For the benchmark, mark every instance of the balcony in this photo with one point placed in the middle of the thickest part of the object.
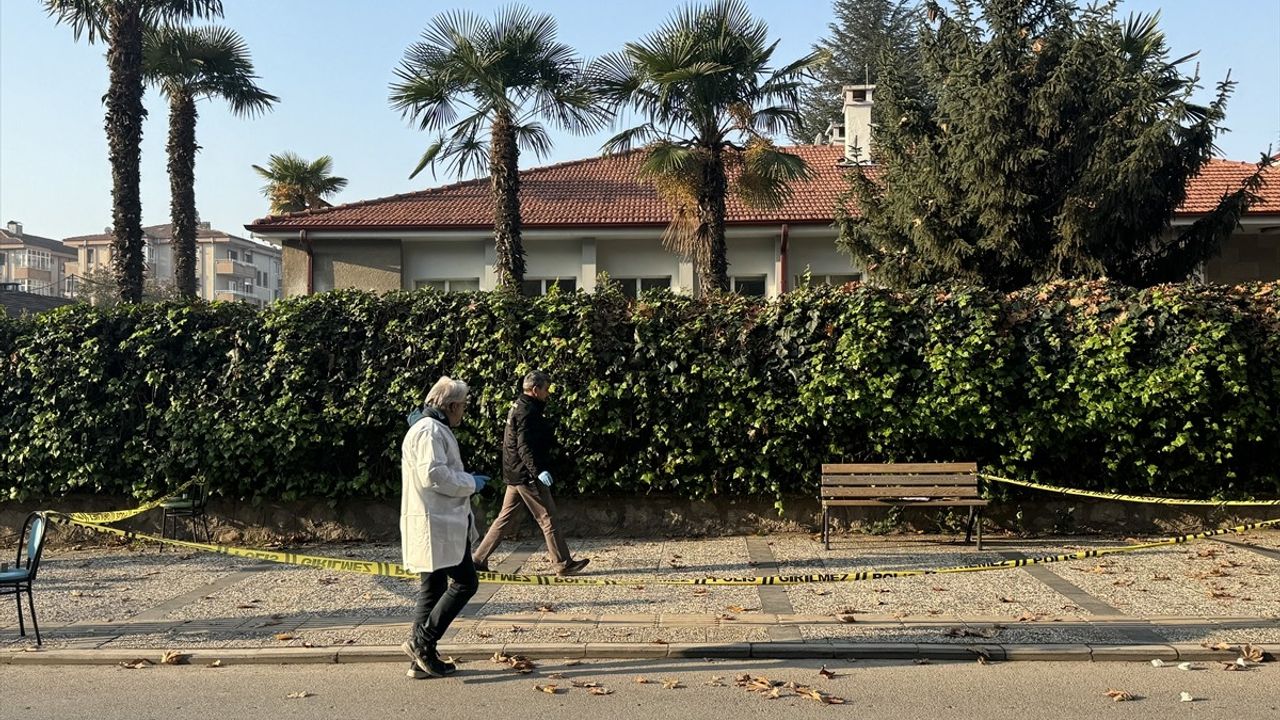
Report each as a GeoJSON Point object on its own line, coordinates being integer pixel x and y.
{"type": "Point", "coordinates": [31, 273]}
{"type": "Point", "coordinates": [234, 268]}
{"type": "Point", "coordinates": [235, 295]}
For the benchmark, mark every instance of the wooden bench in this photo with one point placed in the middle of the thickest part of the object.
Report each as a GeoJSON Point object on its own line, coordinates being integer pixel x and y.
{"type": "Point", "coordinates": [902, 485]}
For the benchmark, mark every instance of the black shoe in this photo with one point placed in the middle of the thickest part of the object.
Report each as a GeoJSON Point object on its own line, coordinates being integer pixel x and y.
{"type": "Point", "coordinates": [573, 567]}
{"type": "Point", "coordinates": [427, 661]}
{"type": "Point", "coordinates": [481, 567]}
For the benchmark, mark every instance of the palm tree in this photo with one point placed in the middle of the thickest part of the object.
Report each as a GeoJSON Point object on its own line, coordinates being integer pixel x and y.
{"type": "Point", "coordinates": [295, 184]}
{"type": "Point", "coordinates": [188, 64]}
{"type": "Point", "coordinates": [121, 25]}
{"type": "Point", "coordinates": [710, 100]}
{"type": "Point", "coordinates": [503, 75]}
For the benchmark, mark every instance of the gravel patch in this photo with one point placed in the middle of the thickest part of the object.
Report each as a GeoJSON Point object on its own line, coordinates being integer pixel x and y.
{"type": "Point", "coordinates": [628, 559]}
{"type": "Point", "coordinates": [1209, 579]}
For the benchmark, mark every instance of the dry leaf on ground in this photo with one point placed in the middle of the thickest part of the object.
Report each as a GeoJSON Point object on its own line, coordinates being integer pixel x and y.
{"type": "Point", "coordinates": [548, 689]}
{"type": "Point", "coordinates": [283, 637]}
{"type": "Point", "coordinates": [672, 684]}
{"type": "Point", "coordinates": [1186, 697]}
{"type": "Point", "coordinates": [715, 681]}
{"type": "Point", "coordinates": [599, 690]}
{"type": "Point", "coordinates": [642, 680]}
{"type": "Point", "coordinates": [1120, 695]}
{"type": "Point", "coordinates": [824, 672]}
{"type": "Point", "coordinates": [136, 663]}
{"type": "Point", "coordinates": [173, 657]}
{"type": "Point", "coordinates": [548, 608]}
{"type": "Point", "coordinates": [571, 663]}
{"type": "Point", "coordinates": [846, 618]}
{"type": "Point", "coordinates": [299, 694]}
{"type": "Point", "coordinates": [215, 664]}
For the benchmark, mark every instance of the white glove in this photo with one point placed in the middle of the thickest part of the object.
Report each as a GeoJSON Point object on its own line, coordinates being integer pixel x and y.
{"type": "Point", "coordinates": [545, 478]}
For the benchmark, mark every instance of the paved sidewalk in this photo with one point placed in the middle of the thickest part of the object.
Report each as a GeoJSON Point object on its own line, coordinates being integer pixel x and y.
{"type": "Point", "coordinates": [1178, 598]}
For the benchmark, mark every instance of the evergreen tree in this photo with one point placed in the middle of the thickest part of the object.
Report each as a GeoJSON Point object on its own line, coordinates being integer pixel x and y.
{"type": "Point", "coordinates": [1045, 141]}
{"type": "Point", "coordinates": [865, 35]}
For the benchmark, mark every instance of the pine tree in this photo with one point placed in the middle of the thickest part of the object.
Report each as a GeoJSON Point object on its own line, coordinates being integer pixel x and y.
{"type": "Point", "coordinates": [1044, 141]}
{"type": "Point", "coordinates": [865, 35]}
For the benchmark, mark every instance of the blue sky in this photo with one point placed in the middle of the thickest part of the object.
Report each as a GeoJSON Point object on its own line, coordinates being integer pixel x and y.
{"type": "Point", "coordinates": [330, 61]}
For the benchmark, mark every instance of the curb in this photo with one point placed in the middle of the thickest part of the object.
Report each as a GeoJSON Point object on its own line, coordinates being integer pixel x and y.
{"type": "Point", "coordinates": [647, 651]}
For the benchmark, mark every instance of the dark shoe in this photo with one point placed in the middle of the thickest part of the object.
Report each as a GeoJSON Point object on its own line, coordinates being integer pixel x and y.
{"type": "Point", "coordinates": [427, 661]}
{"type": "Point", "coordinates": [573, 567]}
{"type": "Point", "coordinates": [481, 567]}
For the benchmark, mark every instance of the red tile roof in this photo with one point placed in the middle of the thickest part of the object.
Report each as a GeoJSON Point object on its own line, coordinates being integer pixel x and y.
{"type": "Point", "coordinates": [604, 191]}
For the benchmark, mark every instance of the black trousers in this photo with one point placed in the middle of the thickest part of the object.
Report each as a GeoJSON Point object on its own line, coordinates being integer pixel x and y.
{"type": "Point", "coordinates": [440, 601]}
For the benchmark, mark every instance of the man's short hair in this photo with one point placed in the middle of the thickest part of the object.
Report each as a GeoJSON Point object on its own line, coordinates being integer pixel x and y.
{"type": "Point", "coordinates": [446, 391]}
{"type": "Point", "coordinates": [535, 379]}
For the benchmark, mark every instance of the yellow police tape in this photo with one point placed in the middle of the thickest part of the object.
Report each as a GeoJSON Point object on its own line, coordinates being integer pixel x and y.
{"type": "Point", "coordinates": [1129, 498]}
{"type": "Point", "coordinates": [369, 567]}
{"type": "Point", "coordinates": [118, 515]}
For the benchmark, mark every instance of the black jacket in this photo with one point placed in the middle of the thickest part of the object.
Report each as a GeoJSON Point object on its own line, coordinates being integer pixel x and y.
{"type": "Point", "coordinates": [526, 442]}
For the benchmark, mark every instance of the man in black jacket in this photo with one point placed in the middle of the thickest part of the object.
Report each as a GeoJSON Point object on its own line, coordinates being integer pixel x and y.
{"type": "Point", "coordinates": [526, 470]}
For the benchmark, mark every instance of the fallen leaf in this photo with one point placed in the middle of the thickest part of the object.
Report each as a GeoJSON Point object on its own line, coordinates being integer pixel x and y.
{"type": "Point", "coordinates": [817, 591]}
{"type": "Point", "coordinates": [548, 689]}
{"type": "Point", "coordinates": [557, 676]}
{"type": "Point", "coordinates": [1217, 646]}
{"type": "Point", "coordinates": [215, 664]}
{"type": "Point", "coordinates": [1159, 576]}
{"type": "Point", "coordinates": [1253, 654]}
{"type": "Point", "coordinates": [173, 657]}
{"type": "Point", "coordinates": [517, 629]}
{"type": "Point", "coordinates": [283, 637]}
{"type": "Point", "coordinates": [717, 681]}
{"type": "Point", "coordinates": [548, 608]}
{"type": "Point", "coordinates": [1027, 617]}
{"type": "Point", "coordinates": [299, 694]}
{"type": "Point", "coordinates": [774, 694]}
{"type": "Point", "coordinates": [824, 672]}
{"type": "Point", "coordinates": [1189, 666]}
{"type": "Point", "coordinates": [1120, 695]}
{"type": "Point", "coordinates": [1157, 663]}
{"type": "Point", "coordinates": [136, 663]}
{"type": "Point", "coordinates": [600, 691]}
{"type": "Point", "coordinates": [483, 635]}
{"type": "Point", "coordinates": [562, 633]}
{"type": "Point", "coordinates": [579, 683]}
{"type": "Point", "coordinates": [921, 661]}
{"type": "Point", "coordinates": [1186, 697]}
{"type": "Point", "coordinates": [672, 684]}
{"type": "Point", "coordinates": [571, 663]}
{"type": "Point", "coordinates": [642, 680]}
{"type": "Point", "coordinates": [700, 591]}
{"type": "Point", "coordinates": [1007, 600]}
{"type": "Point", "coordinates": [846, 618]}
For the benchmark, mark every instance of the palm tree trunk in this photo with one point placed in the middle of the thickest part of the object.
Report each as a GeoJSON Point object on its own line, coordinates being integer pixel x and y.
{"type": "Point", "coordinates": [504, 179]}
{"type": "Point", "coordinates": [182, 191]}
{"type": "Point", "coordinates": [125, 114]}
{"type": "Point", "coordinates": [711, 212]}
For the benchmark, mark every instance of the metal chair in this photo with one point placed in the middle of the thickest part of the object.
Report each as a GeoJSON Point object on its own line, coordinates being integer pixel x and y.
{"type": "Point", "coordinates": [190, 505]}
{"type": "Point", "coordinates": [23, 575]}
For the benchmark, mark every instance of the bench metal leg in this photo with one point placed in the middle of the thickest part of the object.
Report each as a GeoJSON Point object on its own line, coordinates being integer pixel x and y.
{"type": "Point", "coordinates": [826, 528]}
{"type": "Point", "coordinates": [968, 532]}
{"type": "Point", "coordinates": [979, 518]}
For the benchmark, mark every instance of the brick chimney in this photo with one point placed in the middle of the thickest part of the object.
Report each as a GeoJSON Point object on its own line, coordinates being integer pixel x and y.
{"type": "Point", "coordinates": [857, 123]}
{"type": "Point", "coordinates": [15, 227]}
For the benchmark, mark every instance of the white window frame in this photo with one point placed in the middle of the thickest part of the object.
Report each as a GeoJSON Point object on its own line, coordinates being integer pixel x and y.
{"type": "Point", "coordinates": [760, 277]}
{"type": "Point", "coordinates": [545, 283]}
{"type": "Point", "coordinates": [636, 283]}
{"type": "Point", "coordinates": [420, 284]}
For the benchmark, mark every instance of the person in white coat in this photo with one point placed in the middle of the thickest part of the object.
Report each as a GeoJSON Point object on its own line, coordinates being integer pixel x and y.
{"type": "Point", "coordinates": [436, 526]}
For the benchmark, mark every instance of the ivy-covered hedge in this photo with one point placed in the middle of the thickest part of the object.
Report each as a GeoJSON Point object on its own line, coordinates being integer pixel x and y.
{"type": "Point", "coordinates": [1173, 390]}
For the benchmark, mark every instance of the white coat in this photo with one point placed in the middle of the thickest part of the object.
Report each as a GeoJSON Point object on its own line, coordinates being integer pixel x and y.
{"type": "Point", "coordinates": [435, 499]}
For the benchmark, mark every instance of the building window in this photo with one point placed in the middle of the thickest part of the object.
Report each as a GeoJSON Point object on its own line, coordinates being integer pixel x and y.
{"type": "Point", "coordinates": [449, 285]}
{"type": "Point", "coordinates": [4, 259]}
{"type": "Point", "coordinates": [834, 280]}
{"type": "Point", "coordinates": [232, 254]}
{"type": "Point", "coordinates": [632, 287]}
{"type": "Point", "coordinates": [88, 258]}
{"type": "Point", "coordinates": [747, 285]}
{"type": "Point", "coordinates": [36, 259]}
{"type": "Point", "coordinates": [69, 287]}
{"type": "Point", "coordinates": [540, 286]}
{"type": "Point", "coordinates": [248, 256]}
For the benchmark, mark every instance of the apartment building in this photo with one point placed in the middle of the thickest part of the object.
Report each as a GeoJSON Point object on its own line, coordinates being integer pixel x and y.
{"type": "Point", "coordinates": [33, 264]}
{"type": "Point", "coordinates": [228, 267]}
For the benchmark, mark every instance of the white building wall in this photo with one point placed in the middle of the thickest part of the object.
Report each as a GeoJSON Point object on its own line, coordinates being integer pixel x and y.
{"type": "Point", "coordinates": [753, 256]}
{"type": "Point", "coordinates": [443, 260]}
{"type": "Point", "coordinates": [640, 257]}
{"type": "Point", "coordinates": [553, 258]}
{"type": "Point", "coordinates": [818, 256]}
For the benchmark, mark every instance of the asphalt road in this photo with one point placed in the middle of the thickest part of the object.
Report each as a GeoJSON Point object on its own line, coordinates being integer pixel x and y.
{"type": "Point", "coordinates": [1022, 690]}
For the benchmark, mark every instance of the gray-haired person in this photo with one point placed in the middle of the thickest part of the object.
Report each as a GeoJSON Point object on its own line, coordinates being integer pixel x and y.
{"type": "Point", "coordinates": [526, 470]}
{"type": "Point", "coordinates": [436, 527]}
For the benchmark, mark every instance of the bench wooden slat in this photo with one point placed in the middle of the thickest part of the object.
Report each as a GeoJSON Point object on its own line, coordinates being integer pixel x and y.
{"type": "Point", "coordinates": [890, 502]}
{"type": "Point", "coordinates": [857, 480]}
{"type": "Point", "coordinates": [872, 492]}
{"type": "Point", "coordinates": [897, 469]}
